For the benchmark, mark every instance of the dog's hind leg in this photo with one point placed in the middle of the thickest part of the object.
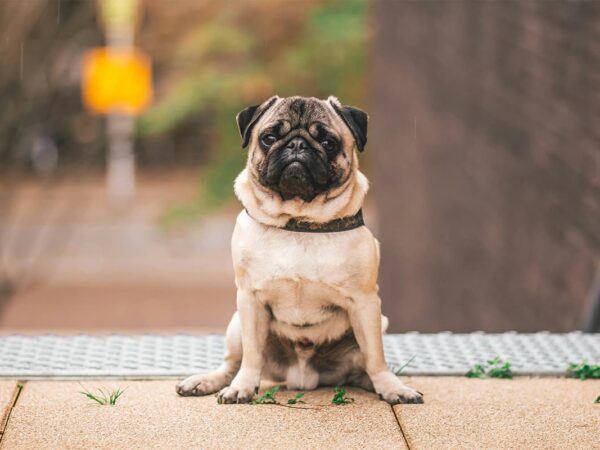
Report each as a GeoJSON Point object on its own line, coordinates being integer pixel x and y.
{"type": "Point", "coordinates": [209, 383]}
{"type": "Point", "coordinates": [360, 379]}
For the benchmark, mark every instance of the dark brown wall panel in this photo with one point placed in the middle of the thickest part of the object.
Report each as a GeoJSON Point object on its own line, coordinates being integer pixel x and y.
{"type": "Point", "coordinates": [486, 146]}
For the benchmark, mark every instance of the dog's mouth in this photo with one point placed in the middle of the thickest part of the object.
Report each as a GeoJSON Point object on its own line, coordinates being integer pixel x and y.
{"type": "Point", "coordinates": [296, 181]}
{"type": "Point", "coordinates": [295, 173]}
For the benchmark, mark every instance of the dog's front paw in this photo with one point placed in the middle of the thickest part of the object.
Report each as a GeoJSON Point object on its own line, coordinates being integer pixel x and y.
{"type": "Point", "coordinates": [232, 394]}
{"type": "Point", "coordinates": [403, 394]}
{"type": "Point", "coordinates": [188, 387]}
{"type": "Point", "coordinates": [205, 384]}
{"type": "Point", "coordinates": [393, 391]}
{"type": "Point", "coordinates": [242, 388]}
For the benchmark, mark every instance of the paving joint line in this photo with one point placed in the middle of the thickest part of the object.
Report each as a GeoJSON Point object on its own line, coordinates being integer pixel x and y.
{"type": "Point", "coordinates": [15, 398]}
{"type": "Point", "coordinates": [404, 438]}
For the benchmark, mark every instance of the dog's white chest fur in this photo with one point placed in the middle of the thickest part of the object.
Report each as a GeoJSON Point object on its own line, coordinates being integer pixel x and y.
{"type": "Point", "coordinates": [304, 279]}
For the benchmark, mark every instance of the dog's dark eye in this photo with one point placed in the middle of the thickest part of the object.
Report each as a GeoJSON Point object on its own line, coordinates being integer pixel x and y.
{"type": "Point", "coordinates": [268, 140]}
{"type": "Point", "coordinates": [329, 145]}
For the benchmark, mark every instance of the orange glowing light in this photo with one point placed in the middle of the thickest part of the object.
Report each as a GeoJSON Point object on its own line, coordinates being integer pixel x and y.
{"type": "Point", "coordinates": [116, 81]}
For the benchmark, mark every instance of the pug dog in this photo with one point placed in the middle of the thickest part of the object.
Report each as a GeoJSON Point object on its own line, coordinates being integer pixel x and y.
{"type": "Point", "coordinates": [308, 311]}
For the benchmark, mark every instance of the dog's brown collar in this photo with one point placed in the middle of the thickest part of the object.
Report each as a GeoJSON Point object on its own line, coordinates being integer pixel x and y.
{"type": "Point", "coordinates": [333, 226]}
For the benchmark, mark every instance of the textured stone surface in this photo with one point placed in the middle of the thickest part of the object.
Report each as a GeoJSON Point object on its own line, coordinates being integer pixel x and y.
{"type": "Point", "coordinates": [525, 413]}
{"type": "Point", "coordinates": [52, 415]}
{"type": "Point", "coordinates": [458, 413]}
{"type": "Point", "coordinates": [8, 389]}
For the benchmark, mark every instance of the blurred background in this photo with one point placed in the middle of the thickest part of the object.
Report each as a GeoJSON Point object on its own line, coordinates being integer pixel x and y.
{"type": "Point", "coordinates": [118, 150]}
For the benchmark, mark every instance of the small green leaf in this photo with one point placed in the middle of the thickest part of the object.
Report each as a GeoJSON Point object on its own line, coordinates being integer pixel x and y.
{"type": "Point", "coordinates": [339, 396]}
{"type": "Point", "coordinates": [92, 397]}
{"type": "Point", "coordinates": [478, 371]}
{"type": "Point", "coordinates": [268, 398]}
{"type": "Point", "coordinates": [296, 399]}
{"type": "Point", "coordinates": [584, 371]}
{"type": "Point", "coordinates": [597, 399]}
{"type": "Point", "coordinates": [495, 368]}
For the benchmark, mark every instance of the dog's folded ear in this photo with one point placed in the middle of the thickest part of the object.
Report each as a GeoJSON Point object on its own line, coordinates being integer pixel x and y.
{"type": "Point", "coordinates": [355, 119]}
{"type": "Point", "coordinates": [247, 118]}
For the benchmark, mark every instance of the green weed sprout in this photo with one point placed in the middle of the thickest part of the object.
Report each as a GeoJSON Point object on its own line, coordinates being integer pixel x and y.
{"type": "Point", "coordinates": [268, 398]}
{"type": "Point", "coordinates": [296, 399]}
{"type": "Point", "coordinates": [584, 371]}
{"type": "Point", "coordinates": [103, 397]}
{"type": "Point", "coordinates": [495, 368]}
{"type": "Point", "coordinates": [398, 371]}
{"type": "Point", "coordinates": [339, 396]}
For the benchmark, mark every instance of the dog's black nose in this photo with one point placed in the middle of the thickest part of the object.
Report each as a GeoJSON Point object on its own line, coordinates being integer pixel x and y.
{"type": "Point", "coordinates": [297, 143]}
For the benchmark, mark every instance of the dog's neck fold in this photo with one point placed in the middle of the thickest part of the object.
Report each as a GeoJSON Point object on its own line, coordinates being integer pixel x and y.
{"type": "Point", "coordinates": [267, 207]}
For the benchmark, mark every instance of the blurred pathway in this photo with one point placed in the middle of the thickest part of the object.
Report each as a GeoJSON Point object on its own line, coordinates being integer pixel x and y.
{"type": "Point", "coordinates": [120, 271]}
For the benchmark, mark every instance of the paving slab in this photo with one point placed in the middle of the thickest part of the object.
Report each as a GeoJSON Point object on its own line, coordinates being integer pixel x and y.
{"type": "Point", "coordinates": [523, 413]}
{"type": "Point", "coordinates": [53, 415]}
{"type": "Point", "coordinates": [8, 390]}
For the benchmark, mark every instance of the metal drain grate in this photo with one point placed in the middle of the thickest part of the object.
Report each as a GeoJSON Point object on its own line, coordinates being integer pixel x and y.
{"type": "Point", "coordinates": [454, 354]}
{"type": "Point", "coordinates": [178, 355]}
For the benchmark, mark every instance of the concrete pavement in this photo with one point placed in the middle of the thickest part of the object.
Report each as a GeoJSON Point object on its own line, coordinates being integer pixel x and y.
{"type": "Point", "coordinates": [459, 413]}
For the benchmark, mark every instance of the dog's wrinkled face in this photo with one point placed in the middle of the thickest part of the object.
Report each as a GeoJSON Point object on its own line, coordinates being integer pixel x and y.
{"type": "Point", "coordinates": [302, 147]}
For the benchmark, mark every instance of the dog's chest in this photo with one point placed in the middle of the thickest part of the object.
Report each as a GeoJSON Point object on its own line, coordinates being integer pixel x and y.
{"type": "Point", "coordinates": [299, 302]}
{"type": "Point", "coordinates": [301, 270]}
{"type": "Point", "coordinates": [299, 266]}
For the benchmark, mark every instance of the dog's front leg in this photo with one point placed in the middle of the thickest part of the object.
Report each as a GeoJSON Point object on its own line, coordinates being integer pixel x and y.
{"type": "Point", "coordinates": [365, 318]}
{"type": "Point", "coordinates": [254, 322]}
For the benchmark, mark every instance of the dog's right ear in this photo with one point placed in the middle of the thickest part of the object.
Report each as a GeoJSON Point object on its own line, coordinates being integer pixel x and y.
{"type": "Point", "coordinates": [247, 118]}
{"type": "Point", "coordinates": [355, 119]}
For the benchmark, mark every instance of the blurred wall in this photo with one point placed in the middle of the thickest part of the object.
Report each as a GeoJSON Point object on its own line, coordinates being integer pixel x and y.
{"type": "Point", "coordinates": [487, 162]}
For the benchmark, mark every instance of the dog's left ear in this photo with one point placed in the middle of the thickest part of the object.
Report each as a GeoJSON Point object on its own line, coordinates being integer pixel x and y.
{"type": "Point", "coordinates": [355, 119]}
{"type": "Point", "coordinates": [247, 118]}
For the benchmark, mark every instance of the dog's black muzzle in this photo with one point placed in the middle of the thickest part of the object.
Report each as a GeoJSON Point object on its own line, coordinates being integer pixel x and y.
{"type": "Point", "coordinates": [296, 170]}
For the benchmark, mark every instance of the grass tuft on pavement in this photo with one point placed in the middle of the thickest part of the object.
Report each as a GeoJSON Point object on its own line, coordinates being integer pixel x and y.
{"type": "Point", "coordinates": [103, 397]}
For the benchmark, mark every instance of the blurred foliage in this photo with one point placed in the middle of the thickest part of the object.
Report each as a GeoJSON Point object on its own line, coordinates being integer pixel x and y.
{"type": "Point", "coordinates": [241, 54]}
{"type": "Point", "coordinates": [43, 125]}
